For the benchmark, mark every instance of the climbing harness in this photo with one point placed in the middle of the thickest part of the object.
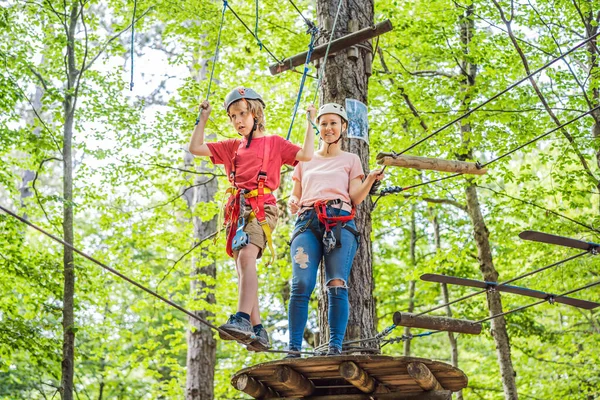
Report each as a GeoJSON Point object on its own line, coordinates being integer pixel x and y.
{"type": "Point", "coordinates": [239, 199]}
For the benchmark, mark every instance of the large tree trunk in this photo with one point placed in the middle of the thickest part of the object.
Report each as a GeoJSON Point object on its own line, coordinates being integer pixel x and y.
{"type": "Point", "coordinates": [344, 78]}
{"type": "Point", "coordinates": [202, 346]}
{"type": "Point", "coordinates": [68, 267]}
{"type": "Point", "coordinates": [484, 253]}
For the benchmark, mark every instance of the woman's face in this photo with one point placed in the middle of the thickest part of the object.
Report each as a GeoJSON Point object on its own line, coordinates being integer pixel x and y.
{"type": "Point", "coordinates": [241, 119]}
{"type": "Point", "coordinates": [331, 127]}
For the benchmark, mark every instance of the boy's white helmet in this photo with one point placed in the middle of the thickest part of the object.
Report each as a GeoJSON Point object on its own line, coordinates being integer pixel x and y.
{"type": "Point", "coordinates": [241, 93]}
{"type": "Point", "coordinates": [333, 108]}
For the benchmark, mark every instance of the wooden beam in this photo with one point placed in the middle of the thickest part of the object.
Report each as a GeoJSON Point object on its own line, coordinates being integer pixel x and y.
{"type": "Point", "coordinates": [423, 376]}
{"type": "Point", "coordinates": [336, 45]}
{"type": "Point", "coordinates": [437, 323]}
{"type": "Point", "coordinates": [357, 376]}
{"type": "Point", "coordinates": [294, 380]}
{"type": "Point", "coordinates": [252, 387]}
{"type": "Point", "coordinates": [434, 164]}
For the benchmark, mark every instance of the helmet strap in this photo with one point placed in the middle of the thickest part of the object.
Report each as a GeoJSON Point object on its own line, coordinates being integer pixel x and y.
{"type": "Point", "coordinates": [329, 144]}
{"type": "Point", "coordinates": [252, 132]}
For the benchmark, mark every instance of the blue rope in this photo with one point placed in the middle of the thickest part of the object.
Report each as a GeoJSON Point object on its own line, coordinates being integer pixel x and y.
{"type": "Point", "coordinates": [132, 39]}
{"type": "Point", "coordinates": [311, 47]}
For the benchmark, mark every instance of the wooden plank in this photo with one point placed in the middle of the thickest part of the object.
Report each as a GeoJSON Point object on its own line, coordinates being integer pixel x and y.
{"type": "Point", "coordinates": [294, 380]}
{"type": "Point", "coordinates": [357, 376]}
{"type": "Point", "coordinates": [522, 291]}
{"type": "Point", "coordinates": [336, 45]}
{"type": "Point", "coordinates": [437, 323]}
{"type": "Point", "coordinates": [433, 164]}
{"type": "Point", "coordinates": [423, 376]}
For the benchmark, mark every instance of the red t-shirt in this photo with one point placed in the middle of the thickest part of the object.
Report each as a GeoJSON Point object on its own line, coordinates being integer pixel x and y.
{"type": "Point", "coordinates": [249, 161]}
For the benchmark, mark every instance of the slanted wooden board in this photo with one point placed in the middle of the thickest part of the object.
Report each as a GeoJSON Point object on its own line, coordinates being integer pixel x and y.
{"type": "Point", "coordinates": [588, 305]}
{"type": "Point", "coordinates": [559, 240]}
{"type": "Point", "coordinates": [433, 164]}
{"type": "Point", "coordinates": [393, 380]}
{"type": "Point", "coordinates": [336, 45]}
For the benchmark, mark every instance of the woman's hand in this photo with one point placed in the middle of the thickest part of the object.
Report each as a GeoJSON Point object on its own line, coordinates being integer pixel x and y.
{"type": "Point", "coordinates": [293, 204]}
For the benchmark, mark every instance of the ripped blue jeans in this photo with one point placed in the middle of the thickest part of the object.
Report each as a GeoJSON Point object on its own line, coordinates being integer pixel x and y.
{"type": "Point", "coordinates": [307, 252]}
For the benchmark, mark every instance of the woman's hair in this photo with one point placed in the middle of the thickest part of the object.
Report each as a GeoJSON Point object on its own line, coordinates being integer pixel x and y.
{"type": "Point", "coordinates": [257, 109]}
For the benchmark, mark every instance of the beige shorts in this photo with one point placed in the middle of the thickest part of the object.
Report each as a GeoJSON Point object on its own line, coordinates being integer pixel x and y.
{"type": "Point", "coordinates": [255, 232]}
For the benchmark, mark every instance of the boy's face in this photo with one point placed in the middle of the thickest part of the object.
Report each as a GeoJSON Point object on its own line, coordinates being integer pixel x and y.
{"type": "Point", "coordinates": [241, 119]}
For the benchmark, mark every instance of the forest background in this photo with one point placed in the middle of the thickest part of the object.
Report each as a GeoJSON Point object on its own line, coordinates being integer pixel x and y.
{"type": "Point", "coordinates": [139, 202]}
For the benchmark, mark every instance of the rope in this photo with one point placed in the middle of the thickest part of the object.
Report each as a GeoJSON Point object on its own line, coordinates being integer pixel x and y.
{"type": "Point", "coordinates": [327, 52]}
{"type": "Point", "coordinates": [308, 22]}
{"type": "Point", "coordinates": [259, 43]}
{"type": "Point", "coordinates": [311, 47]}
{"type": "Point", "coordinates": [132, 39]}
{"type": "Point", "coordinates": [212, 72]}
{"type": "Point", "coordinates": [499, 94]}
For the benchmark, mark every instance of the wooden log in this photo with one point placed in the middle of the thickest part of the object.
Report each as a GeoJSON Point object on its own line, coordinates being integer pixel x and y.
{"type": "Point", "coordinates": [357, 376]}
{"type": "Point", "coordinates": [294, 380]}
{"type": "Point", "coordinates": [437, 323]}
{"type": "Point", "coordinates": [434, 164]}
{"type": "Point", "coordinates": [254, 388]}
{"type": "Point", "coordinates": [336, 45]}
{"type": "Point", "coordinates": [423, 376]}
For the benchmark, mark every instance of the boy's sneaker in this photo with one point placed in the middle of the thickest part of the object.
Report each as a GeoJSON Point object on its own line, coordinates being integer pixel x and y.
{"type": "Point", "coordinates": [238, 327]}
{"type": "Point", "coordinates": [261, 342]}
{"type": "Point", "coordinates": [293, 355]}
{"type": "Point", "coordinates": [334, 351]}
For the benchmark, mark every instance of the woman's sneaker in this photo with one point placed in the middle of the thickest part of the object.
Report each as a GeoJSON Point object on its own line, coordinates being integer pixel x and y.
{"type": "Point", "coordinates": [293, 355]}
{"type": "Point", "coordinates": [261, 342]}
{"type": "Point", "coordinates": [334, 351]}
{"type": "Point", "coordinates": [238, 327]}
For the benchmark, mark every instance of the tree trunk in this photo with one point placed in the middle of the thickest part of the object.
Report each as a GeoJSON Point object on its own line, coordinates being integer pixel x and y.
{"type": "Point", "coordinates": [202, 346]}
{"type": "Point", "coordinates": [68, 267]}
{"type": "Point", "coordinates": [484, 253]}
{"type": "Point", "coordinates": [412, 284]}
{"type": "Point", "coordinates": [344, 78]}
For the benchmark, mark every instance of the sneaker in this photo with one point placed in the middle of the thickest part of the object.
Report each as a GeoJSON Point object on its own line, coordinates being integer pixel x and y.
{"type": "Point", "coordinates": [238, 327]}
{"type": "Point", "coordinates": [261, 343]}
{"type": "Point", "coordinates": [292, 355]}
{"type": "Point", "coordinates": [334, 351]}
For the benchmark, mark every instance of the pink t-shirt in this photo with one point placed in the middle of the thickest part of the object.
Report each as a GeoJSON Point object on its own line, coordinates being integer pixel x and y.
{"type": "Point", "coordinates": [327, 178]}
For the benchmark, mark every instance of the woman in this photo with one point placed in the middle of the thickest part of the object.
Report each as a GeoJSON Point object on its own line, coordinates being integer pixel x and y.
{"type": "Point", "coordinates": [326, 191]}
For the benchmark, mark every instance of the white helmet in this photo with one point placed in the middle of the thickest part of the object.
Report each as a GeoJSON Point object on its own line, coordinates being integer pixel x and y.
{"type": "Point", "coordinates": [333, 108]}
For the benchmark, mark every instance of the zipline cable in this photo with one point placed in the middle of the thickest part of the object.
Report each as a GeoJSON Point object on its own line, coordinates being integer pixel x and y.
{"type": "Point", "coordinates": [306, 20]}
{"type": "Point", "coordinates": [499, 94]}
{"type": "Point", "coordinates": [398, 189]}
{"type": "Point", "coordinates": [132, 42]}
{"type": "Point", "coordinates": [140, 286]}
{"type": "Point", "coordinates": [216, 52]}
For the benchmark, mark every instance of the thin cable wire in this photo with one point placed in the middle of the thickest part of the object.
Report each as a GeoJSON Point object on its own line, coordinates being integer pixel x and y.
{"type": "Point", "coordinates": [499, 94]}
{"type": "Point", "coordinates": [132, 42]}
{"type": "Point", "coordinates": [320, 75]}
{"type": "Point", "coordinates": [307, 21]}
{"type": "Point", "coordinates": [255, 37]}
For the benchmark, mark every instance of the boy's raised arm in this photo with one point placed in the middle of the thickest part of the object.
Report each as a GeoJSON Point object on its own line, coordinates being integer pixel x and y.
{"type": "Point", "coordinates": [308, 148]}
{"type": "Point", "coordinates": [197, 146]}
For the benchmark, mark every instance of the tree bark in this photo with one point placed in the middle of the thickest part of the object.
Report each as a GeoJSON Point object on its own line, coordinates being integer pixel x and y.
{"type": "Point", "coordinates": [481, 233]}
{"type": "Point", "coordinates": [68, 322]}
{"type": "Point", "coordinates": [344, 78]}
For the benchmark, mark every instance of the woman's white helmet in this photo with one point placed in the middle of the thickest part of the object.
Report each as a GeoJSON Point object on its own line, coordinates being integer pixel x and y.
{"type": "Point", "coordinates": [333, 108]}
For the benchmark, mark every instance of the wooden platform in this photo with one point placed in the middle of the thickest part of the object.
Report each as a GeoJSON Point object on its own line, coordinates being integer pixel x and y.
{"type": "Point", "coordinates": [370, 377]}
